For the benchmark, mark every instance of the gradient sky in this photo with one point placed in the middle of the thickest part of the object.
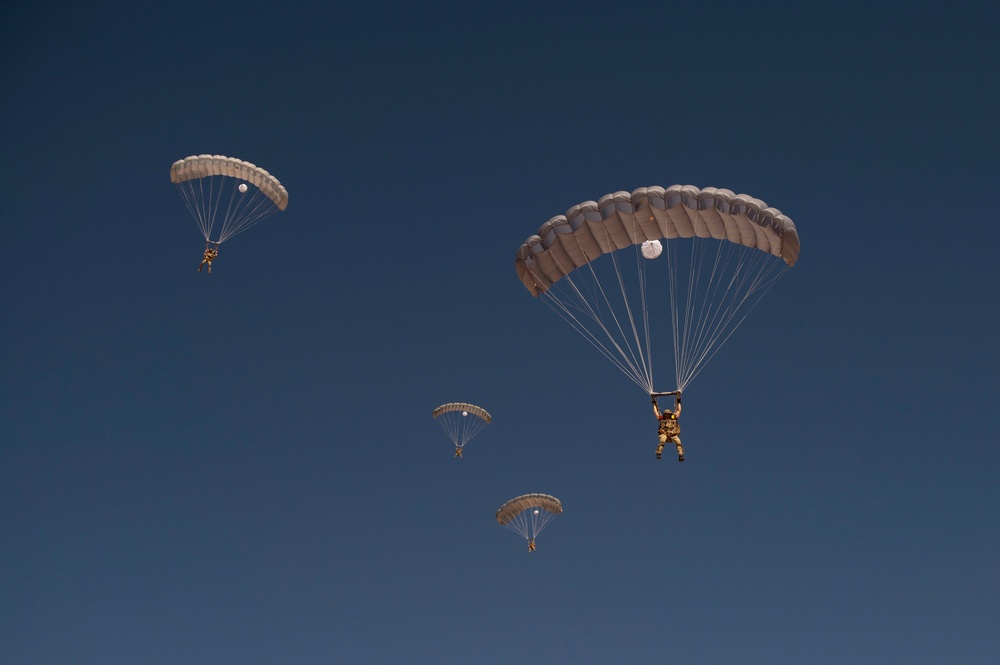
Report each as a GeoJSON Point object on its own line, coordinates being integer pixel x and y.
{"type": "Point", "coordinates": [243, 468]}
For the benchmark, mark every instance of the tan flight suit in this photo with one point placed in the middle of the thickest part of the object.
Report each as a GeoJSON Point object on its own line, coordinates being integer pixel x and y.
{"type": "Point", "coordinates": [209, 256]}
{"type": "Point", "coordinates": [669, 430]}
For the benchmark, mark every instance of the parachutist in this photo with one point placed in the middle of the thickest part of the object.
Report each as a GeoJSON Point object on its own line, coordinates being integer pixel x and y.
{"type": "Point", "coordinates": [211, 253]}
{"type": "Point", "coordinates": [670, 428]}
{"type": "Point", "coordinates": [528, 514]}
{"type": "Point", "coordinates": [461, 421]}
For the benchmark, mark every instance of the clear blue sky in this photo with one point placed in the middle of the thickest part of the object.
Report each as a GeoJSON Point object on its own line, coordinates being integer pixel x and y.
{"type": "Point", "coordinates": [243, 468]}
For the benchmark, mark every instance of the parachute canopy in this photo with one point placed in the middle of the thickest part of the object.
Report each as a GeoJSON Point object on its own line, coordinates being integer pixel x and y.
{"type": "Point", "coordinates": [461, 421]}
{"type": "Point", "coordinates": [470, 409]}
{"type": "Point", "coordinates": [528, 514]}
{"type": "Point", "coordinates": [599, 267]}
{"type": "Point", "coordinates": [216, 188]}
{"type": "Point", "coordinates": [527, 502]}
{"type": "Point", "coordinates": [592, 229]}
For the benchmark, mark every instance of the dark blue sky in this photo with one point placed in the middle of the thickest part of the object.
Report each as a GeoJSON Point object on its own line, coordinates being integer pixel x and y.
{"type": "Point", "coordinates": [243, 468]}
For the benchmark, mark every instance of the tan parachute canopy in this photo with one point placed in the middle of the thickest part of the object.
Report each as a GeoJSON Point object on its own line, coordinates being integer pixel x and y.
{"type": "Point", "coordinates": [201, 166]}
{"type": "Point", "coordinates": [509, 511]}
{"type": "Point", "coordinates": [471, 409]}
{"type": "Point", "coordinates": [592, 229]}
{"type": "Point", "coordinates": [461, 421]}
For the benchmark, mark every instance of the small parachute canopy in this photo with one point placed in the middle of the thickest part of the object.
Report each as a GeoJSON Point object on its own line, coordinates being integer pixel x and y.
{"type": "Point", "coordinates": [526, 502]}
{"type": "Point", "coordinates": [470, 409]}
{"type": "Point", "coordinates": [461, 421]}
{"type": "Point", "coordinates": [652, 249]}
{"type": "Point", "coordinates": [528, 514]}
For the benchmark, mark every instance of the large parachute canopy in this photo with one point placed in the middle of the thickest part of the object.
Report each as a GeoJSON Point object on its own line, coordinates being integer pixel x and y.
{"type": "Point", "coordinates": [228, 191]}
{"type": "Point", "coordinates": [528, 514]}
{"type": "Point", "coordinates": [461, 421]}
{"type": "Point", "coordinates": [605, 265]}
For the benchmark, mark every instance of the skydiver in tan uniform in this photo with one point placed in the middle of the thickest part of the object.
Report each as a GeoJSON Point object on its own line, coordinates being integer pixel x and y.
{"type": "Point", "coordinates": [670, 428]}
{"type": "Point", "coordinates": [458, 452]}
{"type": "Point", "coordinates": [531, 544]}
{"type": "Point", "coordinates": [211, 253]}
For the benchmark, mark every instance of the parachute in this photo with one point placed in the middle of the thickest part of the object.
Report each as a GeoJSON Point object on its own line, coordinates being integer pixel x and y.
{"type": "Point", "coordinates": [235, 193]}
{"type": "Point", "coordinates": [528, 514]}
{"type": "Point", "coordinates": [461, 422]}
{"type": "Point", "coordinates": [599, 267]}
